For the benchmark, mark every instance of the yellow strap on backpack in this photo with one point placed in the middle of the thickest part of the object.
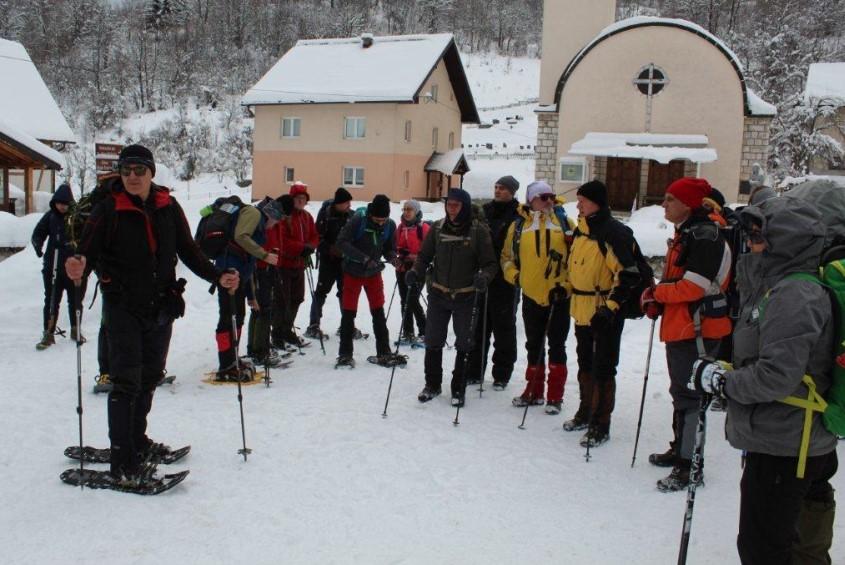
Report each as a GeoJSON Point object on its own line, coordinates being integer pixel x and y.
{"type": "Point", "coordinates": [813, 403]}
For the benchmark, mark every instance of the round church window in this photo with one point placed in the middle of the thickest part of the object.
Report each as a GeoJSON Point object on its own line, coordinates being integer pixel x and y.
{"type": "Point", "coordinates": [650, 80]}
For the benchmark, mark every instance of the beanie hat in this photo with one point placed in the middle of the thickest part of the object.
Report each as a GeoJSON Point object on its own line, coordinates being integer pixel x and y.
{"type": "Point", "coordinates": [538, 188]}
{"type": "Point", "coordinates": [379, 207]}
{"type": "Point", "coordinates": [286, 204]}
{"type": "Point", "coordinates": [510, 183]}
{"type": "Point", "coordinates": [138, 155]}
{"type": "Point", "coordinates": [63, 195]}
{"type": "Point", "coordinates": [411, 203]}
{"type": "Point", "coordinates": [298, 188]}
{"type": "Point", "coordinates": [691, 191]}
{"type": "Point", "coordinates": [342, 195]}
{"type": "Point", "coordinates": [270, 208]}
{"type": "Point", "coordinates": [594, 191]}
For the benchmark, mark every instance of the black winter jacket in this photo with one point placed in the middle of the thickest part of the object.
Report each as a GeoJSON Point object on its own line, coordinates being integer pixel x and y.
{"type": "Point", "coordinates": [51, 227]}
{"type": "Point", "coordinates": [374, 243]}
{"type": "Point", "coordinates": [499, 216]}
{"type": "Point", "coordinates": [329, 224]}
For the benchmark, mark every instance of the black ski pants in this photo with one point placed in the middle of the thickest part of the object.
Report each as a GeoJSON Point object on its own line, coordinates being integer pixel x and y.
{"type": "Point", "coordinates": [138, 347]}
{"type": "Point", "coordinates": [598, 356]}
{"type": "Point", "coordinates": [289, 293]}
{"type": "Point", "coordinates": [63, 286]}
{"type": "Point", "coordinates": [227, 347]}
{"type": "Point", "coordinates": [258, 341]}
{"type": "Point", "coordinates": [416, 310]}
{"type": "Point", "coordinates": [535, 319]}
{"type": "Point", "coordinates": [442, 308]}
{"type": "Point", "coordinates": [783, 519]}
{"type": "Point", "coordinates": [329, 274]}
{"type": "Point", "coordinates": [502, 302]}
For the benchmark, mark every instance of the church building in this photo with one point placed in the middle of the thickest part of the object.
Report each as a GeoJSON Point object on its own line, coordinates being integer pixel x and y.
{"type": "Point", "coordinates": [641, 102]}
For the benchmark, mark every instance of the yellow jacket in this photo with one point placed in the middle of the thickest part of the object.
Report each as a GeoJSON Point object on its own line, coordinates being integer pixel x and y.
{"type": "Point", "coordinates": [589, 268]}
{"type": "Point", "coordinates": [543, 251]}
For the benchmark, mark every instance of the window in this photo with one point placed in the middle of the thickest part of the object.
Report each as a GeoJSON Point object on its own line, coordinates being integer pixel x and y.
{"type": "Point", "coordinates": [408, 131]}
{"type": "Point", "coordinates": [434, 134]}
{"type": "Point", "coordinates": [290, 127]}
{"type": "Point", "coordinates": [356, 128]}
{"type": "Point", "coordinates": [353, 176]}
{"type": "Point", "coordinates": [572, 170]}
{"type": "Point", "coordinates": [407, 179]}
{"type": "Point", "coordinates": [434, 93]}
{"type": "Point", "coordinates": [289, 175]}
{"type": "Point", "coordinates": [451, 140]}
{"type": "Point", "coordinates": [650, 80]}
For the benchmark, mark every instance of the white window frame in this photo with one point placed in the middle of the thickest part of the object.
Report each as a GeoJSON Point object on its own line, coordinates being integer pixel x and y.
{"type": "Point", "coordinates": [434, 92]}
{"type": "Point", "coordinates": [435, 135]}
{"type": "Point", "coordinates": [451, 140]}
{"type": "Point", "coordinates": [564, 161]}
{"type": "Point", "coordinates": [359, 129]}
{"type": "Point", "coordinates": [290, 175]}
{"type": "Point", "coordinates": [355, 176]}
{"type": "Point", "coordinates": [408, 131]}
{"type": "Point", "coordinates": [296, 127]}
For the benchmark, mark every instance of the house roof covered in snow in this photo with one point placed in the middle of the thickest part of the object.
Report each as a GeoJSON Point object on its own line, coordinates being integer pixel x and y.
{"type": "Point", "coordinates": [450, 163]}
{"type": "Point", "coordinates": [25, 101]}
{"type": "Point", "coordinates": [752, 104]}
{"type": "Point", "coordinates": [660, 147]}
{"type": "Point", "coordinates": [826, 81]}
{"type": "Point", "coordinates": [391, 69]}
{"type": "Point", "coordinates": [21, 148]}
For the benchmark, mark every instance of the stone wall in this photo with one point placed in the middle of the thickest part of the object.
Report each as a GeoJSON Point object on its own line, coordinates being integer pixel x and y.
{"type": "Point", "coordinates": [755, 144]}
{"type": "Point", "coordinates": [545, 165]}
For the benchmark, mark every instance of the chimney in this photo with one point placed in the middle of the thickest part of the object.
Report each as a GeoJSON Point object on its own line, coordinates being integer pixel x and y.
{"type": "Point", "coordinates": [366, 40]}
{"type": "Point", "coordinates": [568, 25]}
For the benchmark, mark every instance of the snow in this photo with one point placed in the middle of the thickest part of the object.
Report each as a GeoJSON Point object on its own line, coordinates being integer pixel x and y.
{"type": "Point", "coordinates": [25, 101]}
{"type": "Point", "coordinates": [20, 136]}
{"type": "Point", "coordinates": [758, 106]}
{"type": "Point", "coordinates": [826, 80]}
{"type": "Point", "coordinates": [329, 480]}
{"type": "Point", "coordinates": [663, 148]}
{"type": "Point", "coordinates": [16, 231]}
{"type": "Point", "coordinates": [341, 70]}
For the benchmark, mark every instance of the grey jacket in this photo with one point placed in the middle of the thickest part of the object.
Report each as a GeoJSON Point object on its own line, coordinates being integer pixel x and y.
{"type": "Point", "coordinates": [785, 330]}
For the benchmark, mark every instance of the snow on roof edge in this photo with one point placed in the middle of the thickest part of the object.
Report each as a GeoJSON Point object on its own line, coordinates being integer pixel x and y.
{"type": "Point", "coordinates": [759, 107]}
{"type": "Point", "coordinates": [32, 144]}
{"type": "Point", "coordinates": [826, 81]}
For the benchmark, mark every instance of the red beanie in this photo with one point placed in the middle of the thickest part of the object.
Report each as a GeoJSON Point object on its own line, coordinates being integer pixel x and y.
{"type": "Point", "coordinates": [691, 191]}
{"type": "Point", "coordinates": [298, 188]}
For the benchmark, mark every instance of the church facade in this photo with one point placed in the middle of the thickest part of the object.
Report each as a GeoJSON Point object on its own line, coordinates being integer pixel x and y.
{"type": "Point", "coordinates": [641, 102]}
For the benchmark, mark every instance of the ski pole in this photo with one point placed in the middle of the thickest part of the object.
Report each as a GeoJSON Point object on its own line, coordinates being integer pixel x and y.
{"type": "Point", "coordinates": [233, 307]}
{"type": "Point", "coordinates": [77, 290]}
{"type": "Point", "coordinates": [483, 346]}
{"type": "Point", "coordinates": [645, 384]}
{"type": "Point", "coordinates": [472, 323]}
{"type": "Point", "coordinates": [311, 290]}
{"type": "Point", "coordinates": [521, 426]}
{"type": "Point", "coordinates": [695, 470]}
{"type": "Point", "coordinates": [393, 369]}
{"type": "Point", "coordinates": [392, 295]}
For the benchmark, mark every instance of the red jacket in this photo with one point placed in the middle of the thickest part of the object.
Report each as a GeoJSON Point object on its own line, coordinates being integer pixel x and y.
{"type": "Point", "coordinates": [409, 241]}
{"type": "Point", "coordinates": [292, 235]}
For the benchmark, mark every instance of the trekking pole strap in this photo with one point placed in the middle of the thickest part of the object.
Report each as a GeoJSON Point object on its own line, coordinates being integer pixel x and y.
{"type": "Point", "coordinates": [813, 403]}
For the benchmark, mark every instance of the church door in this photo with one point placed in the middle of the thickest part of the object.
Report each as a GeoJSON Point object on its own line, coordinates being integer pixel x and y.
{"type": "Point", "coordinates": [623, 182]}
{"type": "Point", "coordinates": [660, 177]}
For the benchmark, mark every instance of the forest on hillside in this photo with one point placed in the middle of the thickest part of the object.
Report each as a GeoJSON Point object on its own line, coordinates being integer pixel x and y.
{"type": "Point", "coordinates": [106, 59]}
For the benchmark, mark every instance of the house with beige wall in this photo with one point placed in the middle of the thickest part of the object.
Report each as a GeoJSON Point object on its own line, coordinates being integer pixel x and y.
{"type": "Point", "coordinates": [641, 102]}
{"type": "Point", "coordinates": [376, 115]}
{"type": "Point", "coordinates": [825, 92]}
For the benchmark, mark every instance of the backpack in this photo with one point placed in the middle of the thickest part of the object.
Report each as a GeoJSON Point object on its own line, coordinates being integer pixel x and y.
{"type": "Point", "coordinates": [630, 309]}
{"type": "Point", "coordinates": [216, 229]}
{"type": "Point", "coordinates": [80, 211]}
{"type": "Point", "coordinates": [519, 223]}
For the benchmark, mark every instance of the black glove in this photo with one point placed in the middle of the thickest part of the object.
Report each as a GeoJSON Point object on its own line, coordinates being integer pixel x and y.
{"type": "Point", "coordinates": [412, 279]}
{"type": "Point", "coordinates": [372, 265]}
{"type": "Point", "coordinates": [557, 295]}
{"type": "Point", "coordinates": [306, 251]}
{"type": "Point", "coordinates": [480, 282]}
{"type": "Point", "coordinates": [602, 319]}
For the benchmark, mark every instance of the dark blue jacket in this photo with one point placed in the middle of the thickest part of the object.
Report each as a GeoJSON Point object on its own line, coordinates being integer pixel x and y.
{"type": "Point", "coordinates": [51, 228]}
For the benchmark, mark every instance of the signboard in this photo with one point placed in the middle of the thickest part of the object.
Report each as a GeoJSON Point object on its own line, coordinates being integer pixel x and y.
{"type": "Point", "coordinates": [106, 158]}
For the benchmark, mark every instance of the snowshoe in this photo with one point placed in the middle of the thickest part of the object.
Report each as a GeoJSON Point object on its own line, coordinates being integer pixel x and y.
{"type": "Point", "coordinates": [576, 424]}
{"type": "Point", "coordinates": [666, 459]}
{"type": "Point", "coordinates": [297, 341]}
{"type": "Point", "coordinates": [159, 452]}
{"type": "Point", "coordinates": [345, 361]}
{"type": "Point", "coordinates": [553, 408]}
{"type": "Point", "coordinates": [356, 334]}
{"type": "Point", "coordinates": [144, 483]}
{"type": "Point", "coordinates": [499, 385]}
{"type": "Point", "coordinates": [524, 400]}
{"type": "Point", "coordinates": [272, 360]}
{"type": "Point", "coordinates": [418, 343]}
{"type": "Point", "coordinates": [678, 479]}
{"type": "Point", "coordinates": [46, 341]}
{"type": "Point", "coordinates": [314, 332]}
{"type": "Point", "coordinates": [233, 375]}
{"type": "Point", "coordinates": [594, 437]}
{"type": "Point", "coordinates": [457, 400]}
{"type": "Point", "coordinates": [389, 360]}
{"type": "Point", "coordinates": [428, 393]}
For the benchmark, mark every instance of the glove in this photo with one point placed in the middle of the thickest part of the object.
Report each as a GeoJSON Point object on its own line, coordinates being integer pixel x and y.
{"type": "Point", "coordinates": [602, 319]}
{"type": "Point", "coordinates": [557, 295]}
{"type": "Point", "coordinates": [396, 262]}
{"type": "Point", "coordinates": [372, 265]}
{"type": "Point", "coordinates": [412, 279]}
{"type": "Point", "coordinates": [709, 376]}
{"type": "Point", "coordinates": [306, 251]}
{"type": "Point", "coordinates": [479, 281]}
{"type": "Point", "coordinates": [649, 305]}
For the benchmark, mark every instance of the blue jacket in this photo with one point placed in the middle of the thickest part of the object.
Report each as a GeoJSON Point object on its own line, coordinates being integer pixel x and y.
{"type": "Point", "coordinates": [51, 228]}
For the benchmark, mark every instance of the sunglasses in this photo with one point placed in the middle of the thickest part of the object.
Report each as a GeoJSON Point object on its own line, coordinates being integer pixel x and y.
{"type": "Point", "coordinates": [139, 170]}
{"type": "Point", "coordinates": [546, 197]}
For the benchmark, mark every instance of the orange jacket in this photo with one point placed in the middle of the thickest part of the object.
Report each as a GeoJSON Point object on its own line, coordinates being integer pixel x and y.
{"type": "Point", "coordinates": [698, 264]}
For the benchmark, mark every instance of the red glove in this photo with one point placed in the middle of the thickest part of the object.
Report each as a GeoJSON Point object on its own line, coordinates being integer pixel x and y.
{"type": "Point", "coordinates": [649, 305]}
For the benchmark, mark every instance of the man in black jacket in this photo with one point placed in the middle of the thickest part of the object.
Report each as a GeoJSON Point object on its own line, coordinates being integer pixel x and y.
{"type": "Point", "coordinates": [464, 264]}
{"type": "Point", "coordinates": [502, 297]}
{"type": "Point", "coordinates": [331, 219]}
{"type": "Point", "coordinates": [51, 227]}
{"type": "Point", "coordinates": [132, 239]}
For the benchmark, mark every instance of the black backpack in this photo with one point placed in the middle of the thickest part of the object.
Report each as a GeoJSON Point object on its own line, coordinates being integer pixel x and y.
{"type": "Point", "coordinates": [630, 306]}
{"type": "Point", "coordinates": [216, 229]}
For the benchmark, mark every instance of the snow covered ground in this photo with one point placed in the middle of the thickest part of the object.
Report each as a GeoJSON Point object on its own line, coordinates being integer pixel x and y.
{"type": "Point", "coordinates": [329, 480]}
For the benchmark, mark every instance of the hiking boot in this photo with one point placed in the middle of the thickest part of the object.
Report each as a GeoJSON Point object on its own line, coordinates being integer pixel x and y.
{"type": "Point", "coordinates": [389, 360]}
{"type": "Point", "coordinates": [553, 408]}
{"type": "Point", "coordinates": [679, 478]}
{"type": "Point", "coordinates": [457, 400]}
{"type": "Point", "coordinates": [577, 423]}
{"type": "Point", "coordinates": [314, 332]}
{"type": "Point", "coordinates": [526, 400]}
{"type": "Point", "coordinates": [233, 375]}
{"type": "Point", "coordinates": [46, 341]}
{"type": "Point", "coordinates": [271, 360]}
{"type": "Point", "coordinates": [594, 437]}
{"type": "Point", "coordinates": [428, 393]}
{"type": "Point", "coordinates": [665, 459]}
{"type": "Point", "coordinates": [500, 385]}
{"type": "Point", "coordinates": [344, 361]}
{"type": "Point", "coordinates": [296, 341]}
